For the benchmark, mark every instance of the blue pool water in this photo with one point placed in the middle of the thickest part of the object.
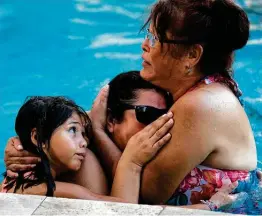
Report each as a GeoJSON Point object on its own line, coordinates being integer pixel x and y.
{"type": "Point", "coordinates": [73, 47]}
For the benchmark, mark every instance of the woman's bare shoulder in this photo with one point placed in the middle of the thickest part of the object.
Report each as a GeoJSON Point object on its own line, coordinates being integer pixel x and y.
{"type": "Point", "coordinates": [210, 100]}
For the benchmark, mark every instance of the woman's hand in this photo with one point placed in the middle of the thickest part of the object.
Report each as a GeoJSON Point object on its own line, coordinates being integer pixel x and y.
{"type": "Point", "coordinates": [99, 108]}
{"type": "Point", "coordinates": [17, 159]}
{"type": "Point", "coordinates": [140, 149]}
{"type": "Point", "coordinates": [223, 197]}
{"type": "Point", "coordinates": [144, 145]}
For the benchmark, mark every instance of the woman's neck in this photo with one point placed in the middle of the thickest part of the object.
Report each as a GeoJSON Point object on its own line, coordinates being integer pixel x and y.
{"type": "Point", "coordinates": [180, 87]}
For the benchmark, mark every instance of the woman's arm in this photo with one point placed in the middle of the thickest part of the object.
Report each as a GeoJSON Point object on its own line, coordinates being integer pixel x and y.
{"type": "Point", "coordinates": [192, 137]}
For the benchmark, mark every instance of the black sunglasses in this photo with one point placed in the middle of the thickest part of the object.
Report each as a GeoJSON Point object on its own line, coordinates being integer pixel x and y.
{"type": "Point", "coordinates": [144, 114]}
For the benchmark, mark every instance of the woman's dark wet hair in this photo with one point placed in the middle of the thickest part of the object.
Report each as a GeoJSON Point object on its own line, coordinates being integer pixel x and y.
{"type": "Point", "coordinates": [123, 89]}
{"type": "Point", "coordinates": [44, 114]}
{"type": "Point", "coordinates": [220, 26]}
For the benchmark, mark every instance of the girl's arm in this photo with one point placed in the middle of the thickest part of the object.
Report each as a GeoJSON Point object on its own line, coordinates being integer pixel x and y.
{"type": "Point", "coordinates": [108, 152]}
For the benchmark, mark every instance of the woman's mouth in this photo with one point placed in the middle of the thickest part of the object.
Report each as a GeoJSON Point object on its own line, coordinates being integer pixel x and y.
{"type": "Point", "coordinates": [145, 63]}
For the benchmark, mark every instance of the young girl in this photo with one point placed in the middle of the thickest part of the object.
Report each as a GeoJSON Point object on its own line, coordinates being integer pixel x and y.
{"type": "Point", "coordinates": [58, 131]}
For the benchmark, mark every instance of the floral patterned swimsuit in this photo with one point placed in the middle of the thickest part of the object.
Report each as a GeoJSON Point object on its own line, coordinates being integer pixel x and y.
{"type": "Point", "coordinates": [201, 183]}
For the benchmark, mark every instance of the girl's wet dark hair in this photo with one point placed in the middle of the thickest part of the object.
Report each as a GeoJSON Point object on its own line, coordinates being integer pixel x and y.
{"type": "Point", "coordinates": [220, 26]}
{"type": "Point", "coordinates": [123, 89]}
{"type": "Point", "coordinates": [44, 114]}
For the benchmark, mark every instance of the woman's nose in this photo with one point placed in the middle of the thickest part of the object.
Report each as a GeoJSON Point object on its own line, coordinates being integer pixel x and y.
{"type": "Point", "coordinates": [145, 45]}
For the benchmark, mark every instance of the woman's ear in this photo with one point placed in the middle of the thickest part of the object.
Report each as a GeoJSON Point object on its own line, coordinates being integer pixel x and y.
{"type": "Point", "coordinates": [34, 136]}
{"type": "Point", "coordinates": [195, 54]}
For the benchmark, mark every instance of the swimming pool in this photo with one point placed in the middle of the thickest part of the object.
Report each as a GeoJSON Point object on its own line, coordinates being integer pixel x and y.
{"type": "Point", "coordinates": [73, 47]}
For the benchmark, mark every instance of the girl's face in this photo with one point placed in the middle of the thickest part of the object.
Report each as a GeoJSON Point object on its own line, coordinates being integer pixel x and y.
{"type": "Point", "coordinates": [68, 145]}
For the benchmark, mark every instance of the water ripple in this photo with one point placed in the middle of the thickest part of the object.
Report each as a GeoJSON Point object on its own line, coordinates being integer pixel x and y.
{"type": "Point", "coordinates": [108, 8]}
{"type": "Point", "coordinates": [118, 55]}
{"type": "Point", "coordinates": [117, 39]}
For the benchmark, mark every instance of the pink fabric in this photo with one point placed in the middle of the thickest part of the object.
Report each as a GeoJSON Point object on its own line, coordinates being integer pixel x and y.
{"type": "Point", "coordinates": [220, 79]}
{"type": "Point", "coordinates": [202, 182]}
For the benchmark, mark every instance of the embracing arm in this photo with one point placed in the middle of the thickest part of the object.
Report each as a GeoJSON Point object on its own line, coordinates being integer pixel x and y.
{"type": "Point", "coordinates": [109, 153]}
{"type": "Point", "coordinates": [69, 190]}
{"type": "Point", "coordinates": [188, 147]}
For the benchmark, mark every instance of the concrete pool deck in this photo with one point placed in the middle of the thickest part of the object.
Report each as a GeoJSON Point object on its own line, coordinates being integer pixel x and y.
{"type": "Point", "coordinates": [14, 204]}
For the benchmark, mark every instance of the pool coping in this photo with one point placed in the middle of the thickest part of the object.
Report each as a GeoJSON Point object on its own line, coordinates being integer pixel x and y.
{"type": "Point", "coordinates": [15, 204]}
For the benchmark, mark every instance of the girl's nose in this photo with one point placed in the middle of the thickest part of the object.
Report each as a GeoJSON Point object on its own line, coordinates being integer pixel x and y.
{"type": "Point", "coordinates": [84, 143]}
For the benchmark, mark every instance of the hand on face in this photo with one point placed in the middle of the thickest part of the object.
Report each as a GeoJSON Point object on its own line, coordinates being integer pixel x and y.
{"type": "Point", "coordinates": [98, 111]}
{"type": "Point", "coordinates": [16, 159]}
{"type": "Point", "coordinates": [144, 145]}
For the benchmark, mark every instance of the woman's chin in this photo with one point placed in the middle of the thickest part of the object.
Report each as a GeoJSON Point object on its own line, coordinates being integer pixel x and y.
{"type": "Point", "coordinates": [146, 74]}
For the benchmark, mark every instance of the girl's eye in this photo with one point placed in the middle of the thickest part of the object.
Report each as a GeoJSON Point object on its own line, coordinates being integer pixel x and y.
{"type": "Point", "coordinates": [72, 130]}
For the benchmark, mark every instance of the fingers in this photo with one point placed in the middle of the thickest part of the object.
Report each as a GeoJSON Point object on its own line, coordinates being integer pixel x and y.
{"type": "Point", "coordinates": [11, 174]}
{"type": "Point", "coordinates": [17, 144]}
{"type": "Point", "coordinates": [99, 109]}
{"type": "Point", "coordinates": [161, 132]}
{"type": "Point", "coordinates": [102, 95]}
{"type": "Point", "coordinates": [88, 112]}
{"type": "Point", "coordinates": [19, 167]}
{"type": "Point", "coordinates": [151, 129]}
{"type": "Point", "coordinates": [15, 153]}
{"type": "Point", "coordinates": [11, 150]}
{"type": "Point", "coordinates": [228, 188]}
{"type": "Point", "coordinates": [23, 160]}
{"type": "Point", "coordinates": [234, 197]}
{"type": "Point", "coordinates": [160, 143]}
{"type": "Point", "coordinates": [104, 92]}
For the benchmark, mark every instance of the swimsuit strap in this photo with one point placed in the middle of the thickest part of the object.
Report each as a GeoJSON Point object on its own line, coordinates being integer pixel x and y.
{"type": "Point", "coordinates": [218, 78]}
